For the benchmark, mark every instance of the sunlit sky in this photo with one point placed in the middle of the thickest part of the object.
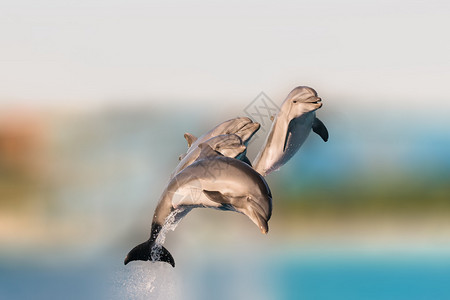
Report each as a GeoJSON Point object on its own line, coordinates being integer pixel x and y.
{"type": "Point", "coordinates": [89, 52]}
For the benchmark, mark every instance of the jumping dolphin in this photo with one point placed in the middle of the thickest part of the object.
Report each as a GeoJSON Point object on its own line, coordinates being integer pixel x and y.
{"type": "Point", "coordinates": [243, 127]}
{"type": "Point", "coordinates": [213, 181]}
{"type": "Point", "coordinates": [229, 145]}
{"type": "Point", "coordinates": [290, 129]}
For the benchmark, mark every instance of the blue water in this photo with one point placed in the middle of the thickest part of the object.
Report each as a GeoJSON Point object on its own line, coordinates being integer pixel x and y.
{"type": "Point", "coordinates": [283, 278]}
{"type": "Point", "coordinates": [363, 280]}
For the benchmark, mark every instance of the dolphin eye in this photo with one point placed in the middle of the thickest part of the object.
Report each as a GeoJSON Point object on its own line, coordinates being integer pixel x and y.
{"type": "Point", "coordinates": [295, 101]}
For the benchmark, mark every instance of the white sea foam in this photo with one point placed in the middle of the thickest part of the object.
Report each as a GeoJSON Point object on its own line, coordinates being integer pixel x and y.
{"type": "Point", "coordinates": [144, 280]}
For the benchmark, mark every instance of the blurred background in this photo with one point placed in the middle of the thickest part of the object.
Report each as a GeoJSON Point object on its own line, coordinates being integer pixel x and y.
{"type": "Point", "coordinates": [95, 97]}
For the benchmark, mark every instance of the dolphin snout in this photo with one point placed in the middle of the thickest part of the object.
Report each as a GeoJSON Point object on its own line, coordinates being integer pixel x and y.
{"type": "Point", "coordinates": [248, 130]}
{"type": "Point", "coordinates": [313, 100]}
{"type": "Point", "coordinates": [260, 212]}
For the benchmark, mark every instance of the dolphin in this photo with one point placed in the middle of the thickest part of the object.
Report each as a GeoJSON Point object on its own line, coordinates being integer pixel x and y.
{"type": "Point", "coordinates": [213, 181]}
{"type": "Point", "coordinates": [243, 127]}
{"type": "Point", "coordinates": [291, 127]}
{"type": "Point", "coordinates": [229, 145]}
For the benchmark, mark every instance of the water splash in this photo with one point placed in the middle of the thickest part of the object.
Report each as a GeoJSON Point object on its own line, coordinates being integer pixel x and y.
{"type": "Point", "coordinates": [145, 281]}
{"type": "Point", "coordinates": [171, 222]}
{"type": "Point", "coordinates": [151, 281]}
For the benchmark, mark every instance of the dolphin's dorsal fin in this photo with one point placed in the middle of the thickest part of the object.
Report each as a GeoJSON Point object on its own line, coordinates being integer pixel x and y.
{"type": "Point", "coordinates": [319, 128]}
{"type": "Point", "coordinates": [190, 138]}
{"type": "Point", "coordinates": [207, 151]}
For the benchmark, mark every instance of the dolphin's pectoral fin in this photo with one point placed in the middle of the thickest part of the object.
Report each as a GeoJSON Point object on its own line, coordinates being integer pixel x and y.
{"type": "Point", "coordinates": [217, 197]}
{"type": "Point", "coordinates": [319, 128]}
{"type": "Point", "coordinates": [286, 140]}
{"type": "Point", "coordinates": [227, 202]}
{"type": "Point", "coordinates": [207, 151]}
{"type": "Point", "coordinates": [289, 134]}
{"type": "Point", "coordinates": [253, 210]}
{"type": "Point", "coordinates": [190, 138]}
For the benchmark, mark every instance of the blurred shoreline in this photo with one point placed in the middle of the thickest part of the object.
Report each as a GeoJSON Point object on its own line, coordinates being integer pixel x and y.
{"type": "Point", "coordinates": [67, 177]}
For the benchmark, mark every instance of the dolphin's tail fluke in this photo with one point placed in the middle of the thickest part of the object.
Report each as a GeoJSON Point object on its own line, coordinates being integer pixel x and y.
{"type": "Point", "coordinates": [150, 251]}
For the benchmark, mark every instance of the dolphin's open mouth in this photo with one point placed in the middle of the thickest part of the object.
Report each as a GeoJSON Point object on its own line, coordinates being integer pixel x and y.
{"type": "Point", "coordinates": [315, 100]}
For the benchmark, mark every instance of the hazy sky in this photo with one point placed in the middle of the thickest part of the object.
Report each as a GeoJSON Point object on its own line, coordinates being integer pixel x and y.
{"type": "Point", "coordinates": [54, 51]}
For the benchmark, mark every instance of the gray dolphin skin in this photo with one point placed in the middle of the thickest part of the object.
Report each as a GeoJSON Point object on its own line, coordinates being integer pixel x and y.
{"type": "Point", "coordinates": [290, 129]}
{"type": "Point", "coordinates": [243, 127]}
{"type": "Point", "coordinates": [212, 181]}
{"type": "Point", "coordinates": [229, 145]}
{"type": "Point", "coordinates": [215, 172]}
